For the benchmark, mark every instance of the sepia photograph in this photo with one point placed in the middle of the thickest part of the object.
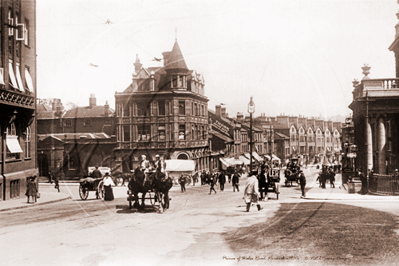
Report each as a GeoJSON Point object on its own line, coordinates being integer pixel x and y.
{"type": "Point", "coordinates": [199, 132]}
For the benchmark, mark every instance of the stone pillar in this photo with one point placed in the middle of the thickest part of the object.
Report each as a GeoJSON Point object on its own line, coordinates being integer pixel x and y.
{"type": "Point", "coordinates": [369, 139]}
{"type": "Point", "coordinates": [381, 146]}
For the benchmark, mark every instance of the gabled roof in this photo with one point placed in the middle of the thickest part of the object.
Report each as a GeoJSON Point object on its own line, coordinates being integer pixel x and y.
{"type": "Point", "coordinates": [86, 112]}
{"type": "Point", "coordinates": [280, 135]}
{"type": "Point", "coordinates": [176, 59]}
{"type": "Point", "coordinates": [254, 128]}
{"type": "Point", "coordinates": [221, 136]}
{"type": "Point", "coordinates": [46, 115]}
{"type": "Point", "coordinates": [44, 112]}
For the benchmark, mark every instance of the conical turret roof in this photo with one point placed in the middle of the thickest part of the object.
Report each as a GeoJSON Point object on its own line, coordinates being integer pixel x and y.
{"type": "Point", "coordinates": [176, 59]}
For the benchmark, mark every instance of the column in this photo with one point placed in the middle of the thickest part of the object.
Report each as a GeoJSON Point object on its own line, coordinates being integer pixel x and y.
{"type": "Point", "coordinates": [381, 146]}
{"type": "Point", "coordinates": [369, 151]}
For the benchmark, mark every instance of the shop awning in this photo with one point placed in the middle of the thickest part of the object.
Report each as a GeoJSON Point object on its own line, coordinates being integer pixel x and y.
{"type": "Point", "coordinates": [230, 161]}
{"type": "Point", "coordinates": [19, 79]}
{"type": "Point", "coordinates": [29, 81]}
{"type": "Point", "coordinates": [13, 144]}
{"type": "Point", "coordinates": [256, 156]}
{"type": "Point", "coordinates": [244, 160]}
{"type": "Point", "coordinates": [275, 158]}
{"type": "Point", "coordinates": [248, 156]}
{"type": "Point", "coordinates": [2, 76]}
{"type": "Point", "coordinates": [12, 76]}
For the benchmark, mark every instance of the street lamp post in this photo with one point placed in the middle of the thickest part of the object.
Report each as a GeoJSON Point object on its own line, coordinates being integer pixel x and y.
{"type": "Point", "coordinates": [251, 110]}
{"type": "Point", "coordinates": [271, 146]}
{"type": "Point", "coordinates": [306, 150]}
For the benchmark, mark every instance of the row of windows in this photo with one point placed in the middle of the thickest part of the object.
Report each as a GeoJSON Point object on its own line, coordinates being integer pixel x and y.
{"type": "Point", "coordinates": [86, 122]}
{"type": "Point", "coordinates": [160, 108]}
{"type": "Point", "coordinates": [198, 132]}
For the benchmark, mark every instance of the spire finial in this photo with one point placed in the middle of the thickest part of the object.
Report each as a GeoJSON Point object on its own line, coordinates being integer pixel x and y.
{"type": "Point", "coordinates": [176, 34]}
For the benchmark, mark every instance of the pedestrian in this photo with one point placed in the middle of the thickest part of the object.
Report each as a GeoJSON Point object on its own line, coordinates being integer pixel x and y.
{"type": "Point", "coordinates": [302, 182]}
{"type": "Point", "coordinates": [56, 183]}
{"type": "Point", "coordinates": [182, 182]}
{"type": "Point", "coordinates": [96, 173]}
{"type": "Point", "coordinates": [212, 181]}
{"type": "Point", "coordinates": [31, 190]}
{"type": "Point", "coordinates": [263, 184]}
{"type": "Point", "coordinates": [50, 177]}
{"type": "Point", "coordinates": [235, 182]}
{"type": "Point", "coordinates": [222, 180]}
{"type": "Point", "coordinates": [251, 191]}
{"type": "Point", "coordinates": [108, 183]}
{"type": "Point", "coordinates": [332, 178]}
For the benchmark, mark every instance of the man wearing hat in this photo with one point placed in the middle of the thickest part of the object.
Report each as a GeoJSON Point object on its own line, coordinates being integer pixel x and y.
{"type": "Point", "coordinates": [251, 191]}
{"type": "Point", "coordinates": [302, 182]}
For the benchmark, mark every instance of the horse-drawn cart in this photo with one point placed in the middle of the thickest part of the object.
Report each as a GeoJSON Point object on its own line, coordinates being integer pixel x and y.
{"type": "Point", "coordinates": [154, 186]}
{"type": "Point", "coordinates": [291, 173]}
{"type": "Point", "coordinates": [91, 184]}
{"type": "Point", "coordinates": [274, 182]}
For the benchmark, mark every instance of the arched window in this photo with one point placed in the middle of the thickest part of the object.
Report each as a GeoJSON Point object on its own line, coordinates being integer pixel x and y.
{"type": "Point", "coordinates": [182, 156]}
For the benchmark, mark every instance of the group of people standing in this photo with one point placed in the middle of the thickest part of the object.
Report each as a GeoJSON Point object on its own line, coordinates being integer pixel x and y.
{"type": "Point", "coordinates": [108, 183]}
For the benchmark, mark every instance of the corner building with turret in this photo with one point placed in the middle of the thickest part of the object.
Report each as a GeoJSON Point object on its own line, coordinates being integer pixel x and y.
{"type": "Point", "coordinates": [164, 111]}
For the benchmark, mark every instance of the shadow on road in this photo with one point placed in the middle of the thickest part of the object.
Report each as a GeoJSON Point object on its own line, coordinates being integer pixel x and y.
{"type": "Point", "coordinates": [125, 209]}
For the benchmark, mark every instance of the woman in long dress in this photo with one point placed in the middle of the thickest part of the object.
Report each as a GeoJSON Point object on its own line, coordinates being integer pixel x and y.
{"type": "Point", "coordinates": [108, 183]}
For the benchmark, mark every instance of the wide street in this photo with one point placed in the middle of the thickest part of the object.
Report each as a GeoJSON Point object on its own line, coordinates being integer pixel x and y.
{"type": "Point", "coordinates": [201, 229]}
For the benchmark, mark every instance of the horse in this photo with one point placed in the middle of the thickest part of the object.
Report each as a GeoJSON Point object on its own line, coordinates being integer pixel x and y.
{"type": "Point", "coordinates": [158, 182]}
{"type": "Point", "coordinates": [139, 184]}
{"type": "Point", "coordinates": [162, 185]}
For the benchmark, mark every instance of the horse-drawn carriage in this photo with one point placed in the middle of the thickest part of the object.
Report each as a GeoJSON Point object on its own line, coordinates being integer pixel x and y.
{"type": "Point", "coordinates": [292, 172]}
{"type": "Point", "coordinates": [274, 181]}
{"type": "Point", "coordinates": [91, 184]}
{"type": "Point", "coordinates": [155, 185]}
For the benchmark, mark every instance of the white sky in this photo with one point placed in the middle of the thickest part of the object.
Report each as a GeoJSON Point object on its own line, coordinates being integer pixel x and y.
{"type": "Point", "coordinates": [293, 56]}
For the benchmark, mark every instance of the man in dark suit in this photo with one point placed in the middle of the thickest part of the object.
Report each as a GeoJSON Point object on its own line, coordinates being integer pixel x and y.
{"type": "Point", "coordinates": [96, 173]}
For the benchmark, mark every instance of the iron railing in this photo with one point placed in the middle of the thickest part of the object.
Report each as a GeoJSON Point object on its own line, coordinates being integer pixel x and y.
{"type": "Point", "coordinates": [384, 184]}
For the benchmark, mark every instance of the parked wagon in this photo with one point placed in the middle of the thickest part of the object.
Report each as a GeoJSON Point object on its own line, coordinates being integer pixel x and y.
{"type": "Point", "coordinates": [274, 182]}
{"type": "Point", "coordinates": [91, 184]}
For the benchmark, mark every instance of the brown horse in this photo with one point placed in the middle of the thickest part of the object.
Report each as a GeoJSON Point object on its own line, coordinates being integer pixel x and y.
{"type": "Point", "coordinates": [162, 185]}
{"type": "Point", "coordinates": [139, 184]}
{"type": "Point", "coordinates": [157, 182]}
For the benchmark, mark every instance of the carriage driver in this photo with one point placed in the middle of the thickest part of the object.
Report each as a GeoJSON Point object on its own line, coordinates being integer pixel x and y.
{"type": "Point", "coordinates": [144, 167]}
{"type": "Point", "coordinates": [144, 164]}
{"type": "Point", "coordinates": [160, 165]}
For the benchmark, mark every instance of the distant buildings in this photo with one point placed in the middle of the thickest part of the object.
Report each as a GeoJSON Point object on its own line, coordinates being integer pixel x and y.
{"type": "Point", "coordinates": [71, 141]}
{"type": "Point", "coordinates": [17, 97]}
{"type": "Point", "coordinates": [164, 111]}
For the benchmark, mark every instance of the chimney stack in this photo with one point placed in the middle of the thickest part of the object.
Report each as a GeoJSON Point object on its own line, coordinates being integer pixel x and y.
{"type": "Point", "coordinates": [240, 117]}
{"type": "Point", "coordinates": [223, 112]}
{"type": "Point", "coordinates": [92, 101]}
{"type": "Point", "coordinates": [106, 109]}
{"type": "Point", "coordinates": [218, 110]}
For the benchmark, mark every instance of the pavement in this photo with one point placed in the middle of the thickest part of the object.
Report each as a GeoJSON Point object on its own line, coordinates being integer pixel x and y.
{"type": "Point", "coordinates": [48, 194]}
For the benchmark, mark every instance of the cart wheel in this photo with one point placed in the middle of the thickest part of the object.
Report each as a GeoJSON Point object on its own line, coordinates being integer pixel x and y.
{"type": "Point", "coordinates": [83, 193]}
{"type": "Point", "coordinates": [100, 190]}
